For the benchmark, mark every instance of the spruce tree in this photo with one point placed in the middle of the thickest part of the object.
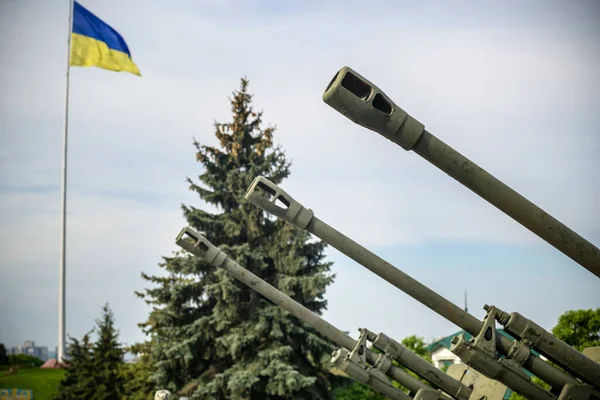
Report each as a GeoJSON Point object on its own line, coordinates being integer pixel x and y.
{"type": "Point", "coordinates": [211, 336]}
{"type": "Point", "coordinates": [93, 370]}
{"type": "Point", "coordinates": [78, 381]}
{"type": "Point", "coordinates": [3, 355]}
{"type": "Point", "coordinates": [107, 359]}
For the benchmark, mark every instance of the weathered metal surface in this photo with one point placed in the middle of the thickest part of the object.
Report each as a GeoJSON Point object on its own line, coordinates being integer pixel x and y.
{"type": "Point", "coordinates": [498, 370]}
{"type": "Point", "coordinates": [593, 353]}
{"type": "Point", "coordinates": [483, 387]}
{"type": "Point", "coordinates": [550, 346]}
{"type": "Point", "coordinates": [576, 391]}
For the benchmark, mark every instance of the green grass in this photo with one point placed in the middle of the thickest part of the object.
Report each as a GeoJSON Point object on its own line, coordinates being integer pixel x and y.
{"type": "Point", "coordinates": [43, 382]}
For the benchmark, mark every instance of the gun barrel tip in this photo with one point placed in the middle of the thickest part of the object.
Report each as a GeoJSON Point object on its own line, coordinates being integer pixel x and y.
{"type": "Point", "coordinates": [251, 188]}
{"type": "Point", "coordinates": [188, 236]}
{"type": "Point", "coordinates": [181, 234]}
{"type": "Point", "coordinates": [343, 69]}
{"type": "Point", "coordinates": [339, 72]}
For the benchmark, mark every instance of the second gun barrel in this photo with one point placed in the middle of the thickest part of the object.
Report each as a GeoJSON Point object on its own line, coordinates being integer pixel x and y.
{"type": "Point", "coordinates": [294, 308]}
{"type": "Point", "coordinates": [427, 297]}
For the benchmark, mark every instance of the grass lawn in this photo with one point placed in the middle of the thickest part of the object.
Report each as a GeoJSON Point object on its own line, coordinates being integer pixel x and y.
{"type": "Point", "coordinates": [43, 382]}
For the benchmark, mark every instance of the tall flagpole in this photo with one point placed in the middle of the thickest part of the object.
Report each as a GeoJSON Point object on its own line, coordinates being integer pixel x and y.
{"type": "Point", "coordinates": [63, 226]}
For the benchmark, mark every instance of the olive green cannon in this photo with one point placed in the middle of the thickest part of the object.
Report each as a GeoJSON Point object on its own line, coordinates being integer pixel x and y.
{"type": "Point", "coordinates": [355, 357]}
{"type": "Point", "coordinates": [493, 355]}
{"type": "Point", "coordinates": [365, 104]}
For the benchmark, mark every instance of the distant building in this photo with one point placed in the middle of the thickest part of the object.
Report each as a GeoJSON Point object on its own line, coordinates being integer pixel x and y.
{"type": "Point", "coordinates": [29, 348]}
{"type": "Point", "coordinates": [52, 353]}
{"type": "Point", "coordinates": [42, 353]}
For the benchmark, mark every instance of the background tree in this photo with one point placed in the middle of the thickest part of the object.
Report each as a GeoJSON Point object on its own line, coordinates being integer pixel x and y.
{"type": "Point", "coordinates": [212, 336]}
{"type": "Point", "coordinates": [417, 345]}
{"type": "Point", "coordinates": [78, 382]}
{"type": "Point", "coordinates": [357, 391]}
{"type": "Point", "coordinates": [579, 328]}
{"type": "Point", "coordinates": [137, 375]}
{"type": "Point", "coordinates": [107, 358]}
{"type": "Point", "coordinates": [93, 369]}
{"type": "Point", "coordinates": [3, 355]}
{"type": "Point", "coordinates": [24, 360]}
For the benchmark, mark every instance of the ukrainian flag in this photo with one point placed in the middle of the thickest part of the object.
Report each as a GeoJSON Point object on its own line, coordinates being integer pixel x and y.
{"type": "Point", "coordinates": [95, 44]}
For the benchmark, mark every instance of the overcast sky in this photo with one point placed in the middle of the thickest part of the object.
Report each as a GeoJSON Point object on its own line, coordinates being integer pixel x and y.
{"type": "Point", "coordinates": [513, 85]}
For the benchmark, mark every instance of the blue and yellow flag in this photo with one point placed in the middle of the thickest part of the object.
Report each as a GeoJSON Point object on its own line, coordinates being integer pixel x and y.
{"type": "Point", "coordinates": [95, 44]}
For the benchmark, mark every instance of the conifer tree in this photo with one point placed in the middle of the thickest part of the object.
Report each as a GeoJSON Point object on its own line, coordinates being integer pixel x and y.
{"type": "Point", "coordinates": [78, 380]}
{"type": "Point", "coordinates": [107, 359]}
{"type": "Point", "coordinates": [3, 354]}
{"type": "Point", "coordinates": [213, 337]}
{"type": "Point", "coordinates": [137, 375]}
{"type": "Point", "coordinates": [93, 369]}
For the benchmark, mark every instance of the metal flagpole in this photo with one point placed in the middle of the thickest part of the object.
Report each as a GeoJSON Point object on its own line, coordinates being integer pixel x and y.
{"type": "Point", "coordinates": [63, 225]}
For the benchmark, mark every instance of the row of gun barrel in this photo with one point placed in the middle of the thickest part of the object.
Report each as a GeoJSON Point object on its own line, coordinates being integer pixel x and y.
{"type": "Point", "coordinates": [493, 363]}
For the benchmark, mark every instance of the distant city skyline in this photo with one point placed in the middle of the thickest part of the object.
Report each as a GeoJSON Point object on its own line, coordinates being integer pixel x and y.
{"type": "Point", "coordinates": [43, 352]}
{"type": "Point", "coordinates": [23, 343]}
{"type": "Point", "coordinates": [29, 348]}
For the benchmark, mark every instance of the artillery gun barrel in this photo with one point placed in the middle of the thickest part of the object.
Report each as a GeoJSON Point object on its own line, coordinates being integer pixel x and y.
{"type": "Point", "coordinates": [266, 195]}
{"type": "Point", "coordinates": [365, 104]}
{"type": "Point", "coordinates": [198, 245]}
{"type": "Point", "coordinates": [550, 346]}
{"type": "Point", "coordinates": [418, 365]}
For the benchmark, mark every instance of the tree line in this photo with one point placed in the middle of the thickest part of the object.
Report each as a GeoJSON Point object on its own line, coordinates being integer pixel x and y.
{"type": "Point", "coordinates": [17, 360]}
{"type": "Point", "coordinates": [211, 337]}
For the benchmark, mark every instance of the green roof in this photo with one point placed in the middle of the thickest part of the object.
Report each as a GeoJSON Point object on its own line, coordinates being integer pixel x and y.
{"type": "Point", "coordinates": [446, 341]}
